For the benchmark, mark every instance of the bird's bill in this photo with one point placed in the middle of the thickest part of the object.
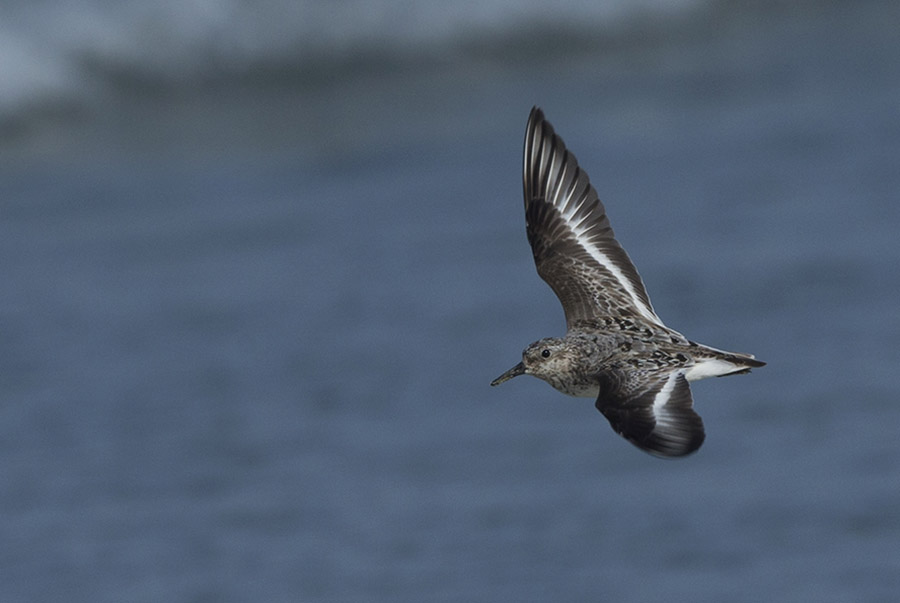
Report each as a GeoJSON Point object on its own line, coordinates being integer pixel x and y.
{"type": "Point", "coordinates": [515, 371]}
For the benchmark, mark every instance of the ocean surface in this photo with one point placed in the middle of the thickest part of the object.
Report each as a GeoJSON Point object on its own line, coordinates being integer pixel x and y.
{"type": "Point", "coordinates": [260, 262]}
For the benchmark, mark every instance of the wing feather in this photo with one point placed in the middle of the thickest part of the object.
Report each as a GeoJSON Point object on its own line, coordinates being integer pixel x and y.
{"type": "Point", "coordinates": [655, 414]}
{"type": "Point", "coordinates": [574, 246]}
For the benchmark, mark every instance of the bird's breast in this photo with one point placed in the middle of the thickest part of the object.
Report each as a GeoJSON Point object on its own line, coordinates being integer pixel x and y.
{"type": "Point", "coordinates": [579, 390]}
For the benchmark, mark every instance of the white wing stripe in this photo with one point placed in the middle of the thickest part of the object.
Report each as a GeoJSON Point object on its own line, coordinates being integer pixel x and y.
{"type": "Point", "coordinates": [661, 398]}
{"type": "Point", "coordinates": [607, 263]}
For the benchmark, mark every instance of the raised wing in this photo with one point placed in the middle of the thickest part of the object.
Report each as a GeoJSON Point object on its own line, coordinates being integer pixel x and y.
{"type": "Point", "coordinates": [654, 414]}
{"type": "Point", "coordinates": [574, 246]}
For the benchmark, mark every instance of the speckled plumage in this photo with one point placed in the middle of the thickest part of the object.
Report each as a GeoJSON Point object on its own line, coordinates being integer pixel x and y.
{"type": "Point", "coordinates": [616, 349]}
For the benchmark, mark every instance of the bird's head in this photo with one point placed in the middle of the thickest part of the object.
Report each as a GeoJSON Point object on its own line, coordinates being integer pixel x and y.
{"type": "Point", "coordinates": [544, 359]}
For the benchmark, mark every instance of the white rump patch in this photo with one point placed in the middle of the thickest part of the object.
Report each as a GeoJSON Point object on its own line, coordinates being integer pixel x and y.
{"type": "Point", "coordinates": [710, 367]}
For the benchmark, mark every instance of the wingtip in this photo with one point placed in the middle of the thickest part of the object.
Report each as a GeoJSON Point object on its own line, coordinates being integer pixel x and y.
{"type": "Point", "coordinates": [535, 117]}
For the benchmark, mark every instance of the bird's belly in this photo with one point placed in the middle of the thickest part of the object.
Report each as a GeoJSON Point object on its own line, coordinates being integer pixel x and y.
{"type": "Point", "coordinates": [579, 390]}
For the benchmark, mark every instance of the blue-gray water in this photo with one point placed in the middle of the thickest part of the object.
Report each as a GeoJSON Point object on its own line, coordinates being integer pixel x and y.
{"type": "Point", "coordinates": [248, 318]}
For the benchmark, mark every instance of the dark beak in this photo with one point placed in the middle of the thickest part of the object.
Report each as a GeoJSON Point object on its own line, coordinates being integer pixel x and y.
{"type": "Point", "coordinates": [515, 371]}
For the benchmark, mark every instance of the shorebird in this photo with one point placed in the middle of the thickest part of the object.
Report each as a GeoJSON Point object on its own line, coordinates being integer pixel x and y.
{"type": "Point", "coordinates": [616, 349]}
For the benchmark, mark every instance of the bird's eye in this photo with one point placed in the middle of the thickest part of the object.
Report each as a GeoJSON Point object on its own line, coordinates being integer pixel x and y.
{"type": "Point", "coordinates": [545, 353]}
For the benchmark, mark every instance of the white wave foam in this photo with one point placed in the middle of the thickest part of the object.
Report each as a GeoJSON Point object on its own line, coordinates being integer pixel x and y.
{"type": "Point", "coordinates": [59, 50]}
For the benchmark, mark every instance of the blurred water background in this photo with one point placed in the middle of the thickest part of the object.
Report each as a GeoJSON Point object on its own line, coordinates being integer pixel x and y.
{"type": "Point", "coordinates": [260, 262]}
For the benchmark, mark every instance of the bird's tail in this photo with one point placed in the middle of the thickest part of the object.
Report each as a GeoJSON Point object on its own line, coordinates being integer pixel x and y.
{"type": "Point", "coordinates": [712, 362]}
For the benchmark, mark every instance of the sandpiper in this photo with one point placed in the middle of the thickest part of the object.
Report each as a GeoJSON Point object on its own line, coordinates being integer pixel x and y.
{"type": "Point", "coordinates": [616, 349]}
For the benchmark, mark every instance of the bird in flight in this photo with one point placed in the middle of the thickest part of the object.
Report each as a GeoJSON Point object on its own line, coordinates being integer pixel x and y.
{"type": "Point", "coordinates": [616, 349]}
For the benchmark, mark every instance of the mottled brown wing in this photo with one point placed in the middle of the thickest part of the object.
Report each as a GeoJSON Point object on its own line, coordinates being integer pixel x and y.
{"type": "Point", "coordinates": [574, 246]}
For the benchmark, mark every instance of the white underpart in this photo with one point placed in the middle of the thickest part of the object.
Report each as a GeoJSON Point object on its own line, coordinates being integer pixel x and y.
{"type": "Point", "coordinates": [579, 231]}
{"type": "Point", "coordinates": [591, 391]}
{"type": "Point", "coordinates": [661, 398]}
{"type": "Point", "coordinates": [710, 367]}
